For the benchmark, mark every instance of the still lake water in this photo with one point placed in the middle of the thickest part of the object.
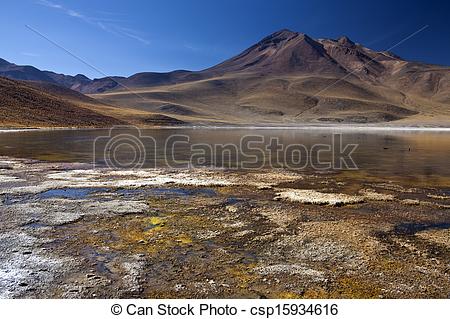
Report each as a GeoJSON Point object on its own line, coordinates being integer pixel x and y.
{"type": "Point", "coordinates": [416, 155]}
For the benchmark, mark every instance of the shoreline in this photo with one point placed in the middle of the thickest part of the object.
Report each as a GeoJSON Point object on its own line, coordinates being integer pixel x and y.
{"type": "Point", "coordinates": [242, 127]}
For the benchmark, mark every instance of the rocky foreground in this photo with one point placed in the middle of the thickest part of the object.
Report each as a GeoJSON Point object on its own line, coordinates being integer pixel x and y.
{"type": "Point", "coordinates": [69, 231]}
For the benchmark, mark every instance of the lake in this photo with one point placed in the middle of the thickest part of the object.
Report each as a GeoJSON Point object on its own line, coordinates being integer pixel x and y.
{"type": "Point", "coordinates": [415, 155]}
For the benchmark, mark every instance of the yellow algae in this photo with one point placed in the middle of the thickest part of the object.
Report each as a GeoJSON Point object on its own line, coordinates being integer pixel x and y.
{"type": "Point", "coordinates": [351, 287]}
{"type": "Point", "coordinates": [243, 274]}
{"type": "Point", "coordinates": [287, 295]}
{"type": "Point", "coordinates": [387, 265]}
{"type": "Point", "coordinates": [318, 293]}
{"type": "Point", "coordinates": [184, 239]}
{"type": "Point", "coordinates": [345, 287]}
{"type": "Point", "coordinates": [127, 234]}
{"type": "Point", "coordinates": [155, 223]}
{"type": "Point", "coordinates": [155, 220]}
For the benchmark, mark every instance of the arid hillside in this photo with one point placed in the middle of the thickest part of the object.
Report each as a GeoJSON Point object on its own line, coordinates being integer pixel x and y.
{"type": "Point", "coordinates": [25, 105]}
{"type": "Point", "coordinates": [40, 104]}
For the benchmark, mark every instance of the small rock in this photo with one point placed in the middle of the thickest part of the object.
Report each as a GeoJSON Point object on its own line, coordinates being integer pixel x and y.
{"type": "Point", "coordinates": [410, 201]}
{"type": "Point", "coordinates": [264, 187]}
{"type": "Point", "coordinates": [309, 196]}
{"type": "Point", "coordinates": [231, 209]}
{"type": "Point", "coordinates": [179, 287]}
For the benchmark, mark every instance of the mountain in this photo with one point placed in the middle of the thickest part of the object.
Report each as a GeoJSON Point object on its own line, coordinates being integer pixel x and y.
{"type": "Point", "coordinates": [25, 105]}
{"type": "Point", "coordinates": [287, 77]}
{"type": "Point", "coordinates": [83, 84]}
{"type": "Point", "coordinates": [143, 79]}
{"type": "Point", "coordinates": [30, 73]}
{"type": "Point", "coordinates": [282, 52]}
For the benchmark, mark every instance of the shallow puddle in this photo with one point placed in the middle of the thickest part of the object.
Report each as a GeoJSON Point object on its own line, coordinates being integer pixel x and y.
{"type": "Point", "coordinates": [70, 193]}
{"type": "Point", "coordinates": [412, 228]}
{"type": "Point", "coordinates": [232, 200]}
{"type": "Point", "coordinates": [35, 225]}
{"type": "Point", "coordinates": [99, 259]}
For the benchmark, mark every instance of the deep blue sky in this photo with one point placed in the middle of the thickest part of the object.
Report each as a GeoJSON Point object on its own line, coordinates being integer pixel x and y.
{"type": "Point", "coordinates": [125, 37]}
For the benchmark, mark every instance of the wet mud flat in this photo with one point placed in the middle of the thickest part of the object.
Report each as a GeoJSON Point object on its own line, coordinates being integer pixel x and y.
{"type": "Point", "coordinates": [70, 231]}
